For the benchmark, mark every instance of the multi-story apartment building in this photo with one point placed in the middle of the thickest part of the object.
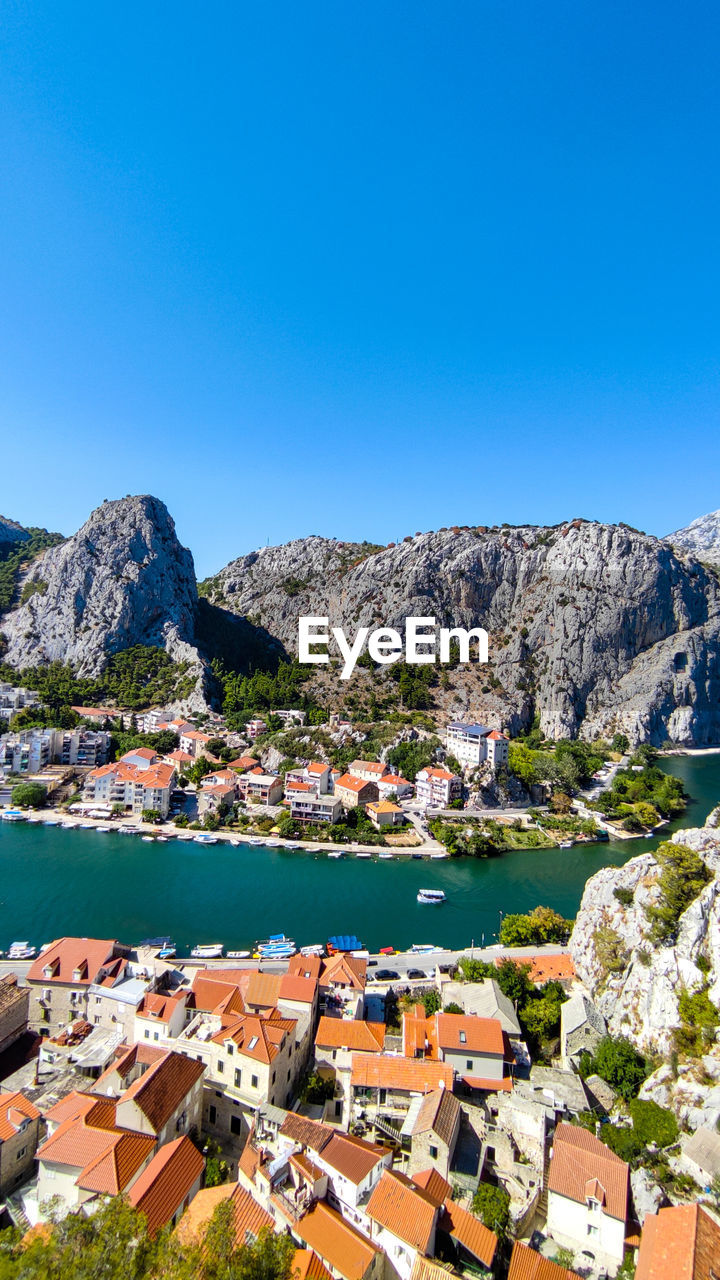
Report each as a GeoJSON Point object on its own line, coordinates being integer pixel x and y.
{"type": "Point", "coordinates": [435, 788]}
{"type": "Point", "coordinates": [473, 744]}
{"type": "Point", "coordinates": [61, 978]}
{"type": "Point", "coordinates": [139, 780]}
{"type": "Point", "coordinates": [305, 806]}
{"type": "Point", "coordinates": [31, 750]}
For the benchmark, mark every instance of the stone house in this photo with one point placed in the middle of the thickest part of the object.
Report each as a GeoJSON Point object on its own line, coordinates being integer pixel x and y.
{"type": "Point", "coordinates": [61, 978]}
{"type": "Point", "coordinates": [14, 1010]}
{"type": "Point", "coordinates": [432, 1124]}
{"type": "Point", "coordinates": [582, 1027]}
{"type": "Point", "coordinates": [588, 1195]}
{"type": "Point", "coordinates": [19, 1136]}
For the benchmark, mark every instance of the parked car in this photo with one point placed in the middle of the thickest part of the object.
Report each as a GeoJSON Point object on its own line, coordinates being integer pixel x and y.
{"type": "Point", "coordinates": [386, 975]}
{"type": "Point", "coordinates": [416, 974]}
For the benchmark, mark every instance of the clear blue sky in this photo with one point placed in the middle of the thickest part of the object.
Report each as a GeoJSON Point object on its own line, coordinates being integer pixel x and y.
{"type": "Point", "coordinates": [359, 269]}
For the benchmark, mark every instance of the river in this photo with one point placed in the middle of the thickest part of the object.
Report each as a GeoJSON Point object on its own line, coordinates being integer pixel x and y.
{"type": "Point", "coordinates": [55, 882]}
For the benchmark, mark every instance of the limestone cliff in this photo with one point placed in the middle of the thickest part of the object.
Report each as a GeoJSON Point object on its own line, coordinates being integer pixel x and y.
{"type": "Point", "coordinates": [594, 627]}
{"type": "Point", "coordinates": [123, 579]}
{"type": "Point", "coordinates": [637, 984]}
{"type": "Point", "coordinates": [700, 539]}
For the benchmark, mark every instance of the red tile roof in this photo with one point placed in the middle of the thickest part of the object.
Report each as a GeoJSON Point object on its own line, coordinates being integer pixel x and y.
{"type": "Point", "coordinates": [256, 1037]}
{"type": "Point", "coordinates": [15, 1111]}
{"type": "Point", "coordinates": [347, 782]}
{"type": "Point", "coordinates": [340, 1246]}
{"type": "Point", "coordinates": [248, 1216]}
{"type": "Point", "coordinates": [165, 1184]}
{"type": "Point", "coordinates": [297, 988]}
{"type": "Point", "coordinates": [160, 1090]}
{"type": "Point", "coordinates": [86, 956]}
{"type": "Point", "coordinates": [307, 1266]}
{"type": "Point", "coordinates": [481, 1035]}
{"type": "Point", "coordinates": [350, 1033]}
{"type": "Point", "coordinates": [387, 1071]}
{"type": "Point", "coordinates": [526, 1264]}
{"type": "Point", "coordinates": [158, 1007]}
{"type": "Point", "coordinates": [679, 1243]}
{"type": "Point", "coordinates": [543, 968]}
{"type": "Point", "coordinates": [469, 1231]}
{"type": "Point", "coordinates": [352, 1157]}
{"type": "Point", "coordinates": [580, 1162]}
{"type": "Point", "coordinates": [434, 1185]}
{"type": "Point", "coordinates": [403, 1209]}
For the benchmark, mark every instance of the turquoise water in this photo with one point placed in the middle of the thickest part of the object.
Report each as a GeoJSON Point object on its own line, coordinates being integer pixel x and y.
{"type": "Point", "coordinates": [55, 882]}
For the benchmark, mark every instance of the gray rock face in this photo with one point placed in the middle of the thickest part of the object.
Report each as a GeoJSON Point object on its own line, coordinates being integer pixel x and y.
{"type": "Point", "coordinates": [647, 1196]}
{"type": "Point", "coordinates": [597, 627]}
{"type": "Point", "coordinates": [123, 579]}
{"type": "Point", "coordinates": [701, 538]}
{"type": "Point", "coordinates": [11, 531]}
{"type": "Point", "coordinates": [638, 992]}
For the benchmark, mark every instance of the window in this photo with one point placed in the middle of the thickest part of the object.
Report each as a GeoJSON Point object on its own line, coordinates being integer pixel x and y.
{"type": "Point", "coordinates": [220, 1066]}
{"type": "Point", "coordinates": [592, 1230]}
{"type": "Point", "coordinates": [468, 1064]}
{"type": "Point", "coordinates": [156, 1035]}
{"type": "Point", "coordinates": [21, 1153]}
{"type": "Point", "coordinates": [254, 1081]}
{"type": "Point", "coordinates": [433, 1153]}
{"type": "Point", "coordinates": [238, 1077]}
{"type": "Point", "coordinates": [235, 1126]}
{"type": "Point", "coordinates": [463, 1037]}
{"type": "Point", "coordinates": [231, 1050]}
{"type": "Point", "coordinates": [212, 1114]}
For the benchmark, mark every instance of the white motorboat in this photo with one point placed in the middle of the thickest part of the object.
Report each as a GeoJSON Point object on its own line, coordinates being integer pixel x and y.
{"type": "Point", "coordinates": [149, 839]}
{"type": "Point", "coordinates": [238, 955]}
{"type": "Point", "coordinates": [21, 951]}
{"type": "Point", "coordinates": [103, 831]}
{"type": "Point", "coordinates": [423, 948]}
{"type": "Point", "coordinates": [565, 844]}
{"type": "Point", "coordinates": [50, 822]}
{"type": "Point", "coordinates": [363, 855]}
{"type": "Point", "coordinates": [431, 897]}
{"type": "Point", "coordinates": [205, 839]}
{"type": "Point", "coordinates": [386, 857]}
{"type": "Point", "coordinates": [12, 815]}
{"type": "Point", "coordinates": [161, 839]}
{"type": "Point", "coordinates": [315, 949]}
{"type": "Point", "coordinates": [207, 951]}
{"type": "Point", "coordinates": [336, 853]}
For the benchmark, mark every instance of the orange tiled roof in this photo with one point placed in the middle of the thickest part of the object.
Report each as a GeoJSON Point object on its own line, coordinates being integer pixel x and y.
{"type": "Point", "coordinates": [295, 987]}
{"type": "Point", "coordinates": [256, 1037]}
{"type": "Point", "coordinates": [434, 1185]}
{"type": "Point", "coordinates": [125, 1060]}
{"type": "Point", "coordinates": [481, 1035]}
{"type": "Point", "coordinates": [384, 806]}
{"type": "Point", "coordinates": [88, 956]}
{"type": "Point", "coordinates": [307, 1266]}
{"type": "Point", "coordinates": [343, 1248]}
{"type": "Point", "coordinates": [166, 1182]}
{"type": "Point", "coordinates": [263, 989]}
{"type": "Point", "coordinates": [526, 1264]}
{"type": "Point", "coordinates": [543, 968]}
{"type": "Point", "coordinates": [306, 966]}
{"type": "Point", "coordinates": [580, 1161]}
{"type": "Point", "coordinates": [249, 1217]}
{"type": "Point", "coordinates": [403, 1208]}
{"type": "Point", "coordinates": [113, 1169]}
{"type": "Point", "coordinates": [161, 1089]}
{"type": "Point", "coordinates": [352, 1157]}
{"type": "Point", "coordinates": [370, 766]}
{"type": "Point", "coordinates": [317, 767]}
{"type": "Point", "coordinates": [350, 1033]}
{"type": "Point", "coordinates": [308, 1133]}
{"type": "Point", "coordinates": [243, 762]}
{"type": "Point", "coordinates": [442, 774]}
{"type": "Point", "coordinates": [15, 1110]}
{"type": "Point", "coordinates": [679, 1243]}
{"type": "Point", "coordinates": [107, 1158]}
{"type": "Point", "coordinates": [159, 1007]}
{"type": "Point", "coordinates": [469, 1231]}
{"type": "Point", "coordinates": [348, 971]}
{"type": "Point", "coordinates": [347, 782]}
{"type": "Point", "coordinates": [386, 1071]}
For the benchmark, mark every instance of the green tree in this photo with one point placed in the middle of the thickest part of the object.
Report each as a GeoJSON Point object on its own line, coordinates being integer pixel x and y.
{"type": "Point", "coordinates": [472, 970]}
{"type": "Point", "coordinates": [29, 795]}
{"type": "Point", "coordinates": [432, 1002]}
{"type": "Point", "coordinates": [617, 1062]}
{"type": "Point", "coordinates": [492, 1206]}
{"type": "Point", "coordinates": [539, 926]}
{"type": "Point", "coordinates": [151, 815]}
{"type": "Point", "coordinates": [683, 876]}
{"type": "Point", "coordinates": [514, 981]}
{"type": "Point", "coordinates": [654, 1125]}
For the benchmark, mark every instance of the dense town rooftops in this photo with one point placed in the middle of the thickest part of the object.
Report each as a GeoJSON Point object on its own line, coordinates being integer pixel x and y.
{"type": "Point", "coordinates": [469, 1231]}
{"type": "Point", "coordinates": [583, 1168]}
{"type": "Point", "coordinates": [440, 1112]}
{"type": "Point", "coordinates": [346, 782]}
{"type": "Point", "coordinates": [434, 1185]}
{"type": "Point", "coordinates": [370, 766]}
{"type": "Point", "coordinates": [256, 1037]}
{"type": "Point", "coordinates": [352, 1157]}
{"type": "Point", "coordinates": [105, 1156]}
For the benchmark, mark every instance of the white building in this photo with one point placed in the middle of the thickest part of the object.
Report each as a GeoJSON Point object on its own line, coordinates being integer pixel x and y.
{"type": "Point", "coordinates": [473, 744]}
{"type": "Point", "coordinates": [588, 1190]}
{"type": "Point", "coordinates": [435, 788]}
{"type": "Point", "coordinates": [137, 781]}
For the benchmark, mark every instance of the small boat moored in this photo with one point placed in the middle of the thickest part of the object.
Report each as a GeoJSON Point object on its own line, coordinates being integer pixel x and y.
{"type": "Point", "coordinates": [21, 951]}
{"type": "Point", "coordinates": [207, 951]}
{"type": "Point", "coordinates": [238, 955]}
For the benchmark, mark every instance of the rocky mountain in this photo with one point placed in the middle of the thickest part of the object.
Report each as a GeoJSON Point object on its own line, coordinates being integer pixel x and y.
{"type": "Point", "coordinates": [123, 579]}
{"type": "Point", "coordinates": [637, 984]}
{"type": "Point", "coordinates": [595, 628]}
{"type": "Point", "coordinates": [11, 533]}
{"type": "Point", "coordinates": [701, 539]}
